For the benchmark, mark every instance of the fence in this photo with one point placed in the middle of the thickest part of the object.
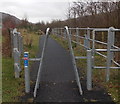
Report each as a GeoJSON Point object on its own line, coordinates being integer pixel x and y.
{"type": "Point", "coordinates": [88, 42]}
{"type": "Point", "coordinates": [17, 46]}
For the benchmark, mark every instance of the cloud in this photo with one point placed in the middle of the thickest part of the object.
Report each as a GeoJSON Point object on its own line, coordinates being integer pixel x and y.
{"type": "Point", "coordinates": [36, 10]}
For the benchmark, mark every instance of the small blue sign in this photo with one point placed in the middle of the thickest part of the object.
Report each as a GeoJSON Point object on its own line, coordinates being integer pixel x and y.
{"type": "Point", "coordinates": [25, 59]}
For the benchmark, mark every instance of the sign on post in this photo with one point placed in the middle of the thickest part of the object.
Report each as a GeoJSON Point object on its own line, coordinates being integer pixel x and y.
{"type": "Point", "coordinates": [25, 59]}
{"type": "Point", "coordinates": [27, 72]}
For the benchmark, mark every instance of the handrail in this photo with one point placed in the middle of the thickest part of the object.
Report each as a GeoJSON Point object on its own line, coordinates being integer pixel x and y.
{"type": "Point", "coordinates": [73, 61]}
{"type": "Point", "coordinates": [89, 46]}
{"type": "Point", "coordinates": [41, 62]}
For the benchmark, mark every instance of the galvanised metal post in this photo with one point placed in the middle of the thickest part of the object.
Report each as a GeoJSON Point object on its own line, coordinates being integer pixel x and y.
{"type": "Point", "coordinates": [20, 42]}
{"type": "Point", "coordinates": [93, 47]}
{"type": "Point", "coordinates": [70, 32]}
{"type": "Point", "coordinates": [11, 36]}
{"type": "Point", "coordinates": [21, 45]}
{"type": "Point", "coordinates": [27, 72]}
{"type": "Point", "coordinates": [16, 62]}
{"type": "Point", "coordinates": [77, 34]}
{"type": "Point", "coordinates": [65, 34]}
{"type": "Point", "coordinates": [16, 53]}
{"type": "Point", "coordinates": [85, 41]}
{"type": "Point", "coordinates": [110, 43]}
{"type": "Point", "coordinates": [89, 70]}
{"type": "Point", "coordinates": [88, 37]}
{"type": "Point", "coordinates": [19, 50]}
{"type": "Point", "coordinates": [73, 61]}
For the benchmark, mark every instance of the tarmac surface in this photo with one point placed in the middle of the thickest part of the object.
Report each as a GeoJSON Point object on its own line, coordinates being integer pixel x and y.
{"type": "Point", "coordinates": [57, 82]}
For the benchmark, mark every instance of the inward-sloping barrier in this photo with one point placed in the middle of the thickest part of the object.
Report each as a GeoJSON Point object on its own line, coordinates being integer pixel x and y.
{"type": "Point", "coordinates": [73, 61]}
{"type": "Point", "coordinates": [89, 41]}
{"type": "Point", "coordinates": [41, 62]}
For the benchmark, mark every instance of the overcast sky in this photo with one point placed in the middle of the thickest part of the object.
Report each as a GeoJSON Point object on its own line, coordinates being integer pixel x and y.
{"type": "Point", "coordinates": [36, 10]}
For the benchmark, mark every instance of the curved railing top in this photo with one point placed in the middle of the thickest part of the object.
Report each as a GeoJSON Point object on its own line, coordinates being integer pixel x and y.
{"type": "Point", "coordinates": [47, 31]}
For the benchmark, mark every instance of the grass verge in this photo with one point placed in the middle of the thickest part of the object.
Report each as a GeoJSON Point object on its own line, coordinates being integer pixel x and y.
{"type": "Point", "coordinates": [13, 88]}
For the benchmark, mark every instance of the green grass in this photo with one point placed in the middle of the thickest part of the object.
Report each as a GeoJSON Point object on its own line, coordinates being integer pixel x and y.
{"type": "Point", "coordinates": [0, 66]}
{"type": "Point", "coordinates": [112, 87]}
{"type": "Point", "coordinates": [13, 88]}
{"type": "Point", "coordinates": [0, 78]}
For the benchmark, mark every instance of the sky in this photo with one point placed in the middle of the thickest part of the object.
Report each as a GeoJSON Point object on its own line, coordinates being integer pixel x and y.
{"type": "Point", "coordinates": [37, 10]}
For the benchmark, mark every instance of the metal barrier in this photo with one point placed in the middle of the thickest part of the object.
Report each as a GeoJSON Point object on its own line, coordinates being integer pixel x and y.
{"type": "Point", "coordinates": [27, 70]}
{"type": "Point", "coordinates": [41, 62]}
{"type": "Point", "coordinates": [73, 61]}
{"type": "Point", "coordinates": [89, 46]}
{"type": "Point", "coordinates": [16, 43]}
{"type": "Point", "coordinates": [67, 33]}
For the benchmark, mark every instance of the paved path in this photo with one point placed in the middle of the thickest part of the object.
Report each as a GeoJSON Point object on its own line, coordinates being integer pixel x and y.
{"type": "Point", "coordinates": [57, 78]}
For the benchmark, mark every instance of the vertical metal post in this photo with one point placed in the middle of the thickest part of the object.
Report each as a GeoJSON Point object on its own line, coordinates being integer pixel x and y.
{"type": "Point", "coordinates": [93, 47]}
{"type": "Point", "coordinates": [89, 70]}
{"type": "Point", "coordinates": [70, 32]}
{"type": "Point", "coordinates": [88, 37]}
{"type": "Point", "coordinates": [27, 72]}
{"type": "Point", "coordinates": [110, 42]}
{"type": "Point", "coordinates": [16, 53]}
{"type": "Point", "coordinates": [65, 34]}
{"type": "Point", "coordinates": [77, 34]}
{"type": "Point", "coordinates": [19, 50]}
{"type": "Point", "coordinates": [19, 43]}
{"type": "Point", "coordinates": [85, 41]}
{"type": "Point", "coordinates": [73, 61]}
{"type": "Point", "coordinates": [11, 36]}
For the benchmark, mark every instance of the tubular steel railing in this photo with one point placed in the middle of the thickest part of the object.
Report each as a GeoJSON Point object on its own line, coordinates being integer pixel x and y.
{"type": "Point", "coordinates": [17, 46]}
{"type": "Point", "coordinates": [89, 39]}
{"type": "Point", "coordinates": [72, 35]}
{"type": "Point", "coordinates": [73, 61]}
{"type": "Point", "coordinates": [41, 62]}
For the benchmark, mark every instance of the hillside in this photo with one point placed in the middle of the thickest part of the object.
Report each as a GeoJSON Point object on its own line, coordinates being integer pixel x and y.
{"type": "Point", "coordinates": [9, 21]}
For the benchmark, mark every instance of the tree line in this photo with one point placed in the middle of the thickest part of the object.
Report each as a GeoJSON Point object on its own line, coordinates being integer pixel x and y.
{"type": "Point", "coordinates": [79, 9]}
